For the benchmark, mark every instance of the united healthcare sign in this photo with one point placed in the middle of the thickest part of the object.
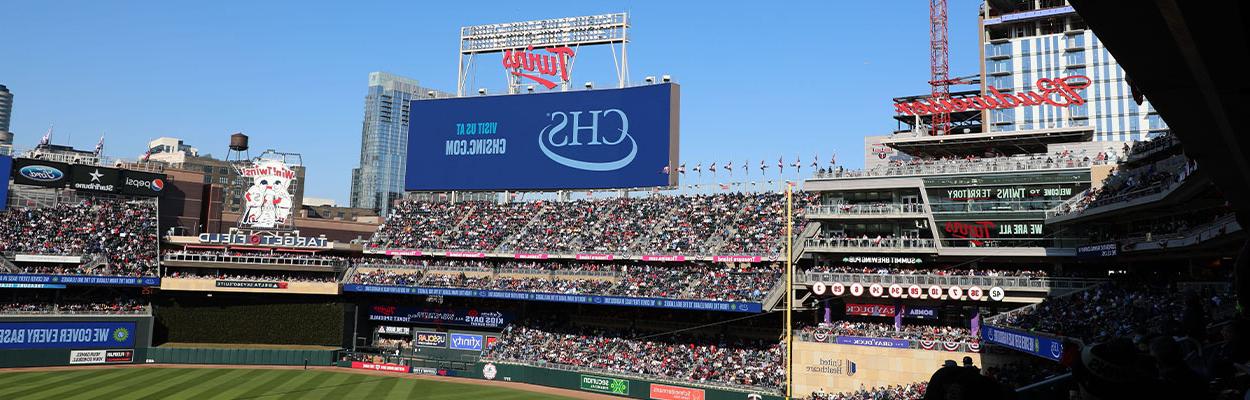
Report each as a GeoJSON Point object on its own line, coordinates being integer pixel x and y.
{"type": "Point", "coordinates": [588, 139]}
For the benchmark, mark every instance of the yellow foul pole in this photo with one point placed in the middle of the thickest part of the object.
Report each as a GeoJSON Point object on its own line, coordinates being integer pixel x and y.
{"type": "Point", "coordinates": [789, 290]}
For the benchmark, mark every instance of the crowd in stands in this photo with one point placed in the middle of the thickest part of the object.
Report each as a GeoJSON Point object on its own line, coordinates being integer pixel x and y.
{"type": "Point", "coordinates": [282, 255]}
{"type": "Point", "coordinates": [841, 239]}
{"type": "Point", "coordinates": [698, 359]}
{"type": "Point", "coordinates": [911, 391]}
{"type": "Point", "coordinates": [121, 305]}
{"type": "Point", "coordinates": [927, 271]}
{"type": "Point", "coordinates": [396, 345]}
{"type": "Point", "coordinates": [701, 281]}
{"type": "Point", "coordinates": [884, 330]}
{"type": "Point", "coordinates": [1144, 147]}
{"type": "Point", "coordinates": [919, 165]}
{"type": "Point", "coordinates": [1169, 362]}
{"type": "Point", "coordinates": [254, 276]}
{"type": "Point", "coordinates": [1023, 373]}
{"type": "Point", "coordinates": [1126, 185]}
{"type": "Point", "coordinates": [1115, 309]}
{"type": "Point", "coordinates": [122, 232]}
{"type": "Point", "coordinates": [726, 223]}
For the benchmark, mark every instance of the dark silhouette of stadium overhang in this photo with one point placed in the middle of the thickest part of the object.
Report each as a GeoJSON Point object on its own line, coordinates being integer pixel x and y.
{"type": "Point", "coordinates": [1189, 59]}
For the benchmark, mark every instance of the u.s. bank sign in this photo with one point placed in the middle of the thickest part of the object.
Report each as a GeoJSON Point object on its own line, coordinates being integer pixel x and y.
{"type": "Point", "coordinates": [584, 139]}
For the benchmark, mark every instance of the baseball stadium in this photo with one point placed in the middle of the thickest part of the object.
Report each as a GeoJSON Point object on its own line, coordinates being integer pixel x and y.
{"type": "Point", "coordinates": [1044, 228]}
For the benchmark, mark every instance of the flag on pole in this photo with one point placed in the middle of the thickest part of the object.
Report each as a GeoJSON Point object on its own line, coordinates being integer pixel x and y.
{"type": "Point", "coordinates": [712, 168]}
{"type": "Point", "coordinates": [99, 146]}
{"type": "Point", "coordinates": [698, 168]}
{"type": "Point", "coordinates": [730, 167]}
{"type": "Point", "coordinates": [47, 137]}
{"type": "Point", "coordinates": [763, 167]}
{"type": "Point", "coordinates": [665, 170]}
{"type": "Point", "coordinates": [781, 166]}
{"type": "Point", "coordinates": [833, 159]}
{"type": "Point", "coordinates": [815, 161]}
{"type": "Point", "coordinates": [798, 164]}
{"type": "Point", "coordinates": [681, 169]}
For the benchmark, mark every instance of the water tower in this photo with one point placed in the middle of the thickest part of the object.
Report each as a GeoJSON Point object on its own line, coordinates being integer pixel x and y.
{"type": "Point", "coordinates": [238, 148]}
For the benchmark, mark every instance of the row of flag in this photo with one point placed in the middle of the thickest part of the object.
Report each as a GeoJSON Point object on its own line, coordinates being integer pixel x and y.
{"type": "Point", "coordinates": [47, 140]}
{"type": "Point", "coordinates": [729, 166]}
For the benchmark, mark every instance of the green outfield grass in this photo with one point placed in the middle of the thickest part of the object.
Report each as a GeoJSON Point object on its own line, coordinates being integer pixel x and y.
{"type": "Point", "coordinates": [259, 384]}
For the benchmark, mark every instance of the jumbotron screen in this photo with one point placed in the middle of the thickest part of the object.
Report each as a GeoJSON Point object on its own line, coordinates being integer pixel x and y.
{"type": "Point", "coordinates": [612, 138]}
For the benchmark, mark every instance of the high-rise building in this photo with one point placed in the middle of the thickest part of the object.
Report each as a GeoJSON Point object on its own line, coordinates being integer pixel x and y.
{"type": "Point", "coordinates": [379, 180]}
{"type": "Point", "coordinates": [1023, 41]}
{"type": "Point", "coordinates": [6, 112]}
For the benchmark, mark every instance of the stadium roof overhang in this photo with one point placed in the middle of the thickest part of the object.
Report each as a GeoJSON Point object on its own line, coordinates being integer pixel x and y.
{"type": "Point", "coordinates": [1188, 58]}
{"type": "Point", "coordinates": [977, 144]}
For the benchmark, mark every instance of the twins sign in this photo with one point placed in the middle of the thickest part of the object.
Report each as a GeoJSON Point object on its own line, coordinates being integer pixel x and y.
{"type": "Point", "coordinates": [583, 139]}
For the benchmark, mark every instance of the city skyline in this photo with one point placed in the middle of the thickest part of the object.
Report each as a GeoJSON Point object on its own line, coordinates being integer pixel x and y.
{"type": "Point", "coordinates": [295, 79]}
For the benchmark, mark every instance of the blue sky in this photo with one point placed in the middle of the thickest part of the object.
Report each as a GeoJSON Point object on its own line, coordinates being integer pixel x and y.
{"type": "Point", "coordinates": [759, 79]}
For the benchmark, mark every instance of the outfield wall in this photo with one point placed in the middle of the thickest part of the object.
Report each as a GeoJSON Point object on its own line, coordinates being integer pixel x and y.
{"type": "Point", "coordinates": [43, 341]}
{"type": "Point", "coordinates": [249, 319]}
{"type": "Point", "coordinates": [843, 368]}
{"type": "Point", "coordinates": [606, 383]}
{"type": "Point", "coordinates": [174, 355]}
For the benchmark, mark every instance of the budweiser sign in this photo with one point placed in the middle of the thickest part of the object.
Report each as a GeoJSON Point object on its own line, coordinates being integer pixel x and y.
{"type": "Point", "coordinates": [1058, 92]}
{"type": "Point", "coordinates": [525, 63]}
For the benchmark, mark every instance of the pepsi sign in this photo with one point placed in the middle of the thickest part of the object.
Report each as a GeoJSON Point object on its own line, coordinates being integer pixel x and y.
{"type": "Point", "coordinates": [614, 138]}
{"type": "Point", "coordinates": [40, 173]}
{"type": "Point", "coordinates": [142, 183]}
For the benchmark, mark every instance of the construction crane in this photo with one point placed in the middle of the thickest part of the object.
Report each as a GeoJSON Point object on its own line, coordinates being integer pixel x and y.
{"type": "Point", "coordinates": [939, 67]}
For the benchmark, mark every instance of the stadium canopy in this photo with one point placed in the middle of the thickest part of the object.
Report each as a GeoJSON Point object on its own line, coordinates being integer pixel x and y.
{"type": "Point", "coordinates": [1189, 58]}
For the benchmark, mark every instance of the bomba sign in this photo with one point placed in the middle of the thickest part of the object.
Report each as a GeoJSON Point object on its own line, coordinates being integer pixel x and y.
{"type": "Point", "coordinates": [588, 139]}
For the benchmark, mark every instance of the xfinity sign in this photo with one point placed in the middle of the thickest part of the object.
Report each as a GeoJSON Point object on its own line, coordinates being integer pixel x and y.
{"type": "Point", "coordinates": [585, 139]}
{"type": "Point", "coordinates": [460, 341]}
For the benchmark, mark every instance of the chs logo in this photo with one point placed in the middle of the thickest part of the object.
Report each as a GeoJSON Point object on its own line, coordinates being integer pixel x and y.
{"type": "Point", "coordinates": [41, 173]}
{"type": "Point", "coordinates": [556, 136]}
{"type": "Point", "coordinates": [154, 185]}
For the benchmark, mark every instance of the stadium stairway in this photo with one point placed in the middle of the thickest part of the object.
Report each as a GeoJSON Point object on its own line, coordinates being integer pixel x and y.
{"type": "Point", "coordinates": [6, 265]}
{"type": "Point", "coordinates": [505, 246]}
{"type": "Point", "coordinates": [641, 241]}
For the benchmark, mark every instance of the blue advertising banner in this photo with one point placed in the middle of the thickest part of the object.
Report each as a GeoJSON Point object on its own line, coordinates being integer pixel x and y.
{"type": "Point", "coordinates": [31, 286]}
{"type": "Point", "coordinates": [1038, 345]}
{"type": "Point", "coordinates": [462, 341]}
{"type": "Point", "coordinates": [707, 305]}
{"type": "Point", "coordinates": [81, 280]}
{"type": "Point", "coordinates": [874, 342]}
{"type": "Point", "coordinates": [612, 138]}
{"type": "Point", "coordinates": [66, 335]}
{"type": "Point", "coordinates": [1109, 249]}
{"type": "Point", "coordinates": [920, 312]}
{"type": "Point", "coordinates": [440, 316]}
{"type": "Point", "coordinates": [6, 169]}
